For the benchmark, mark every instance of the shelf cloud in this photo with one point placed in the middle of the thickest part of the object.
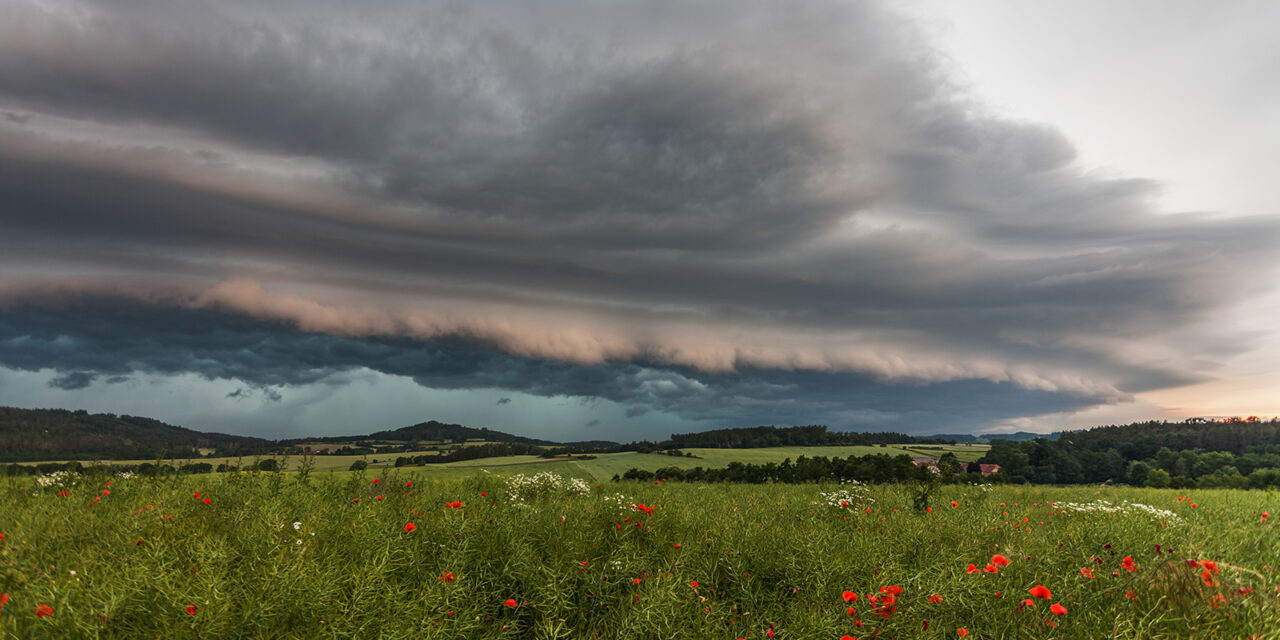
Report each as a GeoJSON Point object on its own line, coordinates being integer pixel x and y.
{"type": "Point", "coordinates": [726, 211]}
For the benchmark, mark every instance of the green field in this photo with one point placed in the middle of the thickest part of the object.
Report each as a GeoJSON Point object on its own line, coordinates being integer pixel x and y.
{"type": "Point", "coordinates": [604, 466]}
{"type": "Point", "coordinates": [279, 555]}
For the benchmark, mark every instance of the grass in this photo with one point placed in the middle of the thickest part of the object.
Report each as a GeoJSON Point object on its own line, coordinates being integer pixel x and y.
{"type": "Point", "coordinates": [131, 563]}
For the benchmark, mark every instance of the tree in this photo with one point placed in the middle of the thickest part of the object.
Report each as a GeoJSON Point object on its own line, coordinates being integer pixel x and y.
{"type": "Point", "coordinates": [950, 464]}
{"type": "Point", "coordinates": [1138, 472]}
{"type": "Point", "coordinates": [358, 465]}
{"type": "Point", "coordinates": [1158, 479]}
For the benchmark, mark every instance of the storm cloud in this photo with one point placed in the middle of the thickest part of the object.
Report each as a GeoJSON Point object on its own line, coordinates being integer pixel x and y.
{"type": "Point", "coordinates": [732, 212]}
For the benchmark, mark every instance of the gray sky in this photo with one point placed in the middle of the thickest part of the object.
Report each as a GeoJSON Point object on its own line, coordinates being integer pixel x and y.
{"type": "Point", "coordinates": [618, 220]}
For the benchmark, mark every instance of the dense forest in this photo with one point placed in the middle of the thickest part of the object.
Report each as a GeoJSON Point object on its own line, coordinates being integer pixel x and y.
{"type": "Point", "coordinates": [59, 434]}
{"type": "Point", "coordinates": [1243, 452]}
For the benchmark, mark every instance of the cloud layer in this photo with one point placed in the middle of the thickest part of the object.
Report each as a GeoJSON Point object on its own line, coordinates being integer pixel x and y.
{"type": "Point", "coordinates": [614, 201]}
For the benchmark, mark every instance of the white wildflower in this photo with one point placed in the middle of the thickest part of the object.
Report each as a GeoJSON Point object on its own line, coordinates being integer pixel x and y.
{"type": "Point", "coordinates": [522, 487]}
{"type": "Point", "coordinates": [843, 498]}
{"type": "Point", "coordinates": [61, 479]}
{"type": "Point", "coordinates": [1123, 507]}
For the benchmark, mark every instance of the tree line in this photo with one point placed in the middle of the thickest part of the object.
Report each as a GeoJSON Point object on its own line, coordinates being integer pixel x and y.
{"type": "Point", "coordinates": [875, 468]}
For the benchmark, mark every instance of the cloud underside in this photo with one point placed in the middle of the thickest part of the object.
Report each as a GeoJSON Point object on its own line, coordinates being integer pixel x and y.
{"type": "Point", "coordinates": [790, 211]}
{"type": "Point", "coordinates": [130, 338]}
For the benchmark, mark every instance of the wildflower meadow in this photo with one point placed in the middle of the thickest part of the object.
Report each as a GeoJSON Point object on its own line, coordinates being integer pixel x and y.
{"type": "Point", "coordinates": [354, 555]}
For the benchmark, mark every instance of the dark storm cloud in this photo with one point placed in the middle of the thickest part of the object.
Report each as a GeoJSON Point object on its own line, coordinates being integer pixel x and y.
{"type": "Point", "coordinates": [717, 189]}
{"type": "Point", "coordinates": [72, 381]}
{"type": "Point", "coordinates": [170, 341]}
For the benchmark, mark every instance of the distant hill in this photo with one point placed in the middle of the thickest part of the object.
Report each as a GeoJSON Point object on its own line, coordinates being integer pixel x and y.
{"type": "Point", "coordinates": [432, 430]}
{"type": "Point", "coordinates": [984, 438]}
{"type": "Point", "coordinates": [59, 434]}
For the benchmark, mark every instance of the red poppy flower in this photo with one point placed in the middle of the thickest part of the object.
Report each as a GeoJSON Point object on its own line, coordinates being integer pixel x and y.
{"type": "Point", "coordinates": [841, 638]}
{"type": "Point", "coordinates": [484, 493]}
{"type": "Point", "coordinates": [849, 596]}
{"type": "Point", "coordinates": [852, 611]}
{"type": "Point", "coordinates": [410, 527]}
{"type": "Point", "coordinates": [1057, 609]}
{"type": "Point", "coordinates": [1129, 594]}
{"type": "Point", "coordinates": [376, 481]}
{"type": "Point", "coordinates": [106, 492]}
{"type": "Point", "coordinates": [453, 505]}
{"type": "Point", "coordinates": [408, 484]}
{"type": "Point", "coordinates": [208, 500]}
{"type": "Point", "coordinates": [4, 599]}
{"type": "Point", "coordinates": [972, 569]}
{"type": "Point", "coordinates": [447, 577]}
{"type": "Point", "coordinates": [378, 498]}
{"type": "Point", "coordinates": [990, 569]}
{"type": "Point", "coordinates": [1040, 591]}
{"type": "Point", "coordinates": [44, 610]}
{"type": "Point", "coordinates": [1210, 565]}
{"type": "Point", "coordinates": [635, 581]}
{"type": "Point", "coordinates": [962, 632]}
{"type": "Point", "coordinates": [63, 494]}
{"type": "Point", "coordinates": [191, 609]}
{"type": "Point", "coordinates": [955, 504]}
{"type": "Point", "coordinates": [511, 602]}
{"type": "Point", "coordinates": [1027, 603]}
{"type": "Point", "coordinates": [694, 584]}
{"type": "Point", "coordinates": [999, 560]}
{"type": "Point", "coordinates": [1086, 572]}
{"type": "Point", "coordinates": [197, 495]}
{"type": "Point", "coordinates": [1128, 564]}
{"type": "Point", "coordinates": [935, 598]}
{"type": "Point", "coordinates": [677, 545]}
{"type": "Point", "coordinates": [893, 590]}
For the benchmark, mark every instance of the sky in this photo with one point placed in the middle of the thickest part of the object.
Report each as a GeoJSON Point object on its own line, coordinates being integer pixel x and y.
{"type": "Point", "coordinates": [619, 220]}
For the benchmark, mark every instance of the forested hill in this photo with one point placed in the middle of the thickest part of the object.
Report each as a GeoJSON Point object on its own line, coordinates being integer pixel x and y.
{"type": "Point", "coordinates": [1194, 453]}
{"type": "Point", "coordinates": [807, 436]}
{"type": "Point", "coordinates": [59, 434]}
{"type": "Point", "coordinates": [439, 431]}
{"type": "Point", "coordinates": [1144, 439]}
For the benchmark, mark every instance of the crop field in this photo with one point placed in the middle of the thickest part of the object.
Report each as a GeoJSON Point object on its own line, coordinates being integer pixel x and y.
{"type": "Point", "coordinates": [406, 555]}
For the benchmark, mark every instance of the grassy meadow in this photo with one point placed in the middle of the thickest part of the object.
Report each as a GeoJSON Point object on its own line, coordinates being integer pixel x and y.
{"type": "Point", "coordinates": [414, 555]}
